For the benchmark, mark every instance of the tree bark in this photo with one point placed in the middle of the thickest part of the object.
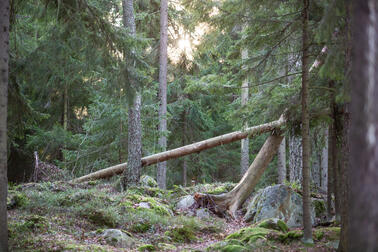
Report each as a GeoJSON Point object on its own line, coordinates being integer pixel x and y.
{"type": "Point", "coordinates": [324, 162]}
{"type": "Point", "coordinates": [132, 171]}
{"type": "Point", "coordinates": [162, 167]}
{"type": "Point", "coordinates": [307, 226]}
{"type": "Point", "coordinates": [185, 162]}
{"type": "Point", "coordinates": [189, 149]}
{"type": "Point", "coordinates": [4, 69]}
{"type": "Point", "coordinates": [281, 162]}
{"type": "Point", "coordinates": [244, 155]}
{"type": "Point", "coordinates": [363, 204]}
{"type": "Point", "coordinates": [295, 158]}
{"type": "Point", "coordinates": [233, 200]}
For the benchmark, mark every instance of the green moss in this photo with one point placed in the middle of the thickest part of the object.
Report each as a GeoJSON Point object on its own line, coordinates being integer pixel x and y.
{"type": "Point", "coordinates": [140, 227]}
{"type": "Point", "coordinates": [319, 208]}
{"type": "Point", "coordinates": [282, 226]}
{"type": "Point", "coordinates": [290, 236]}
{"type": "Point", "coordinates": [181, 234]}
{"type": "Point", "coordinates": [250, 234]}
{"type": "Point", "coordinates": [318, 235]}
{"type": "Point", "coordinates": [80, 247]}
{"type": "Point", "coordinates": [31, 223]}
{"type": "Point", "coordinates": [166, 247]}
{"type": "Point", "coordinates": [16, 199]}
{"type": "Point", "coordinates": [331, 233]}
{"type": "Point", "coordinates": [274, 224]}
{"type": "Point", "coordinates": [218, 190]}
{"type": "Point", "coordinates": [101, 218]}
{"type": "Point", "coordinates": [233, 248]}
{"type": "Point", "coordinates": [93, 182]}
{"type": "Point", "coordinates": [147, 247]}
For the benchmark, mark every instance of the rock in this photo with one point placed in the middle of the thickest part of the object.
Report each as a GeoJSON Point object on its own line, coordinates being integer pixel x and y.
{"type": "Point", "coordinates": [117, 238]}
{"type": "Point", "coordinates": [144, 205]}
{"type": "Point", "coordinates": [185, 202]}
{"type": "Point", "coordinates": [146, 180]}
{"type": "Point", "coordinates": [202, 213]}
{"type": "Point", "coordinates": [275, 224]}
{"type": "Point", "coordinates": [166, 247]}
{"type": "Point", "coordinates": [279, 202]}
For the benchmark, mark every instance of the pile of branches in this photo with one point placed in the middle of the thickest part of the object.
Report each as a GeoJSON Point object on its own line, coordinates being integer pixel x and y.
{"type": "Point", "coordinates": [44, 171]}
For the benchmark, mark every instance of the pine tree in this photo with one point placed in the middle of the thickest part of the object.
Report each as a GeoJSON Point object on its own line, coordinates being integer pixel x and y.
{"type": "Point", "coordinates": [162, 167]}
{"type": "Point", "coordinates": [307, 234]}
{"type": "Point", "coordinates": [134, 165]}
{"type": "Point", "coordinates": [4, 56]}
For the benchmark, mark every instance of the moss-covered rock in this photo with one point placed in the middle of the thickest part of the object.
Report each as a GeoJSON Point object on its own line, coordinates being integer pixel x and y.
{"type": "Point", "coordinates": [250, 234]}
{"type": "Point", "coordinates": [290, 236]}
{"type": "Point", "coordinates": [117, 238]}
{"type": "Point", "coordinates": [273, 223]}
{"type": "Point", "coordinates": [234, 248]}
{"type": "Point", "coordinates": [146, 180]}
{"type": "Point", "coordinates": [320, 208]}
{"type": "Point", "coordinates": [166, 247]}
{"type": "Point", "coordinates": [16, 199]}
{"type": "Point", "coordinates": [181, 233]}
{"type": "Point", "coordinates": [147, 247]}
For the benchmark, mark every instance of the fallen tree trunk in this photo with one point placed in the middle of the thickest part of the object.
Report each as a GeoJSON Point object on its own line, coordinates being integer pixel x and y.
{"type": "Point", "coordinates": [233, 200]}
{"type": "Point", "coordinates": [189, 149]}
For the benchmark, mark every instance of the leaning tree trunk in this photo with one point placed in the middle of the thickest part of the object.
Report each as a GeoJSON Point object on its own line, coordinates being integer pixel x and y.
{"type": "Point", "coordinates": [4, 56]}
{"type": "Point", "coordinates": [132, 172]}
{"type": "Point", "coordinates": [307, 226]}
{"type": "Point", "coordinates": [189, 149]}
{"type": "Point", "coordinates": [363, 204]}
{"type": "Point", "coordinates": [233, 200]}
{"type": "Point", "coordinates": [162, 167]}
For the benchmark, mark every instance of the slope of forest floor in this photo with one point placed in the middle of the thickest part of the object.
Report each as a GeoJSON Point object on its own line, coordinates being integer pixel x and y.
{"type": "Point", "coordinates": [61, 216]}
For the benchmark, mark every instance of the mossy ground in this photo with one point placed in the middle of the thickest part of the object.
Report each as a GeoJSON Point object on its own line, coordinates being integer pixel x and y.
{"type": "Point", "coordinates": [61, 216]}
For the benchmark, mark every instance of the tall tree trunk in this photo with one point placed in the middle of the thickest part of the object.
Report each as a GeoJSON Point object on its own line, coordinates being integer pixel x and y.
{"type": "Point", "coordinates": [132, 172]}
{"type": "Point", "coordinates": [363, 204]}
{"type": "Point", "coordinates": [65, 108]}
{"type": "Point", "coordinates": [334, 155]}
{"type": "Point", "coordinates": [295, 158]}
{"type": "Point", "coordinates": [281, 162]}
{"type": "Point", "coordinates": [307, 231]}
{"type": "Point", "coordinates": [345, 175]}
{"type": "Point", "coordinates": [185, 162]}
{"type": "Point", "coordinates": [324, 162]}
{"type": "Point", "coordinates": [330, 188]}
{"type": "Point", "coordinates": [4, 58]}
{"type": "Point", "coordinates": [162, 167]}
{"type": "Point", "coordinates": [244, 155]}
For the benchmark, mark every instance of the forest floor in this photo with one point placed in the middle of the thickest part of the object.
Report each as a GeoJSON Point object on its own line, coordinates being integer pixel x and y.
{"type": "Point", "coordinates": [61, 216]}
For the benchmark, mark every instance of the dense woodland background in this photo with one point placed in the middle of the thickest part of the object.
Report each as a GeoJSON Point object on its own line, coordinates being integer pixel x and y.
{"type": "Point", "coordinates": [231, 64]}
